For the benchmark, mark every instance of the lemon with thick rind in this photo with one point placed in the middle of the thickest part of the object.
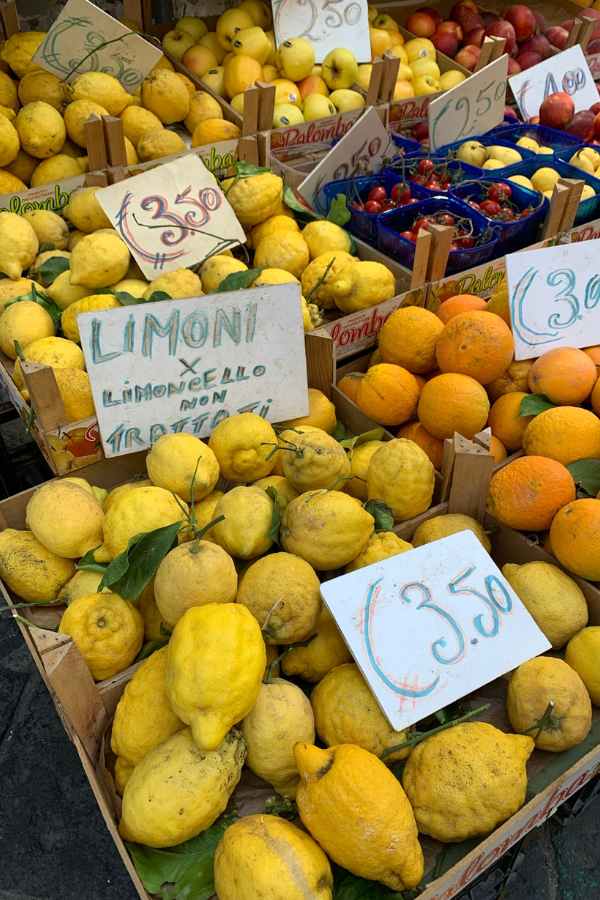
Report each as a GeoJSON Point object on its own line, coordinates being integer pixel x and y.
{"type": "Point", "coordinates": [315, 460]}
{"type": "Point", "coordinates": [283, 250]}
{"type": "Point", "coordinates": [159, 142]}
{"type": "Point", "coordinates": [177, 284]}
{"type": "Point", "coordinates": [11, 184]}
{"type": "Point", "coordinates": [285, 491]}
{"type": "Point", "coordinates": [254, 199]}
{"type": "Point", "coordinates": [322, 236]}
{"type": "Point", "coordinates": [50, 228]}
{"type": "Point", "coordinates": [19, 244]}
{"type": "Point", "coordinates": [321, 414]}
{"type": "Point", "coordinates": [50, 351]}
{"type": "Point", "coordinates": [41, 129]}
{"type": "Point", "coordinates": [204, 511]}
{"type": "Point", "coordinates": [326, 528]}
{"type": "Point", "coordinates": [84, 211]}
{"type": "Point", "coordinates": [76, 394]}
{"type": "Point", "coordinates": [164, 94]}
{"type": "Point", "coordinates": [135, 512]}
{"type": "Point", "coordinates": [19, 49]}
{"type": "Point", "coordinates": [242, 445]}
{"type": "Point", "coordinates": [77, 114]}
{"type": "Point", "coordinates": [443, 526]}
{"type": "Point", "coordinates": [216, 269]}
{"type": "Point", "coordinates": [401, 474]}
{"type": "Point", "coordinates": [56, 168]}
{"type": "Point", "coordinates": [270, 226]}
{"type": "Point", "coordinates": [33, 572]}
{"type": "Point", "coordinates": [98, 260]}
{"type": "Point", "coordinates": [64, 293]}
{"type": "Point", "coordinates": [324, 271]}
{"type": "Point", "coordinates": [324, 653]}
{"type": "Point", "coordinates": [379, 547]}
{"type": "Point", "coordinates": [9, 141]}
{"type": "Point", "coordinates": [65, 518]}
{"type": "Point", "coordinates": [103, 89]}
{"type": "Point", "coordinates": [175, 461]}
{"type": "Point", "coordinates": [23, 322]}
{"type": "Point", "coordinates": [91, 303]}
{"type": "Point", "coordinates": [81, 584]}
{"type": "Point", "coordinates": [10, 289]}
{"type": "Point", "coordinates": [244, 532]}
{"type": "Point", "coordinates": [117, 492]}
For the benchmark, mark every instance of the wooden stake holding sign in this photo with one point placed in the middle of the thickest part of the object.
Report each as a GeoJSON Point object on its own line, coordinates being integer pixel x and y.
{"type": "Point", "coordinates": [491, 50]}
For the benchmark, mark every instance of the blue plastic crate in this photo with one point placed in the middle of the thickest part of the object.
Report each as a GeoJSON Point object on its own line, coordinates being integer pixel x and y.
{"type": "Point", "coordinates": [405, 144]}
{"type": "Point", "coordinates": [589, 209]}
{"type": "Point", "coordinates": [515, 235]}
{"type": "Point", "coordinates": [392, 223]}
{"type": "Point", "coordinates": [546, 137]}
{"type": "Point", "coordinates": [488, 140]}
{"type": "Point", "coordinates": [364, 225]}
{"type": "Point", "coordinates": [468, 173]}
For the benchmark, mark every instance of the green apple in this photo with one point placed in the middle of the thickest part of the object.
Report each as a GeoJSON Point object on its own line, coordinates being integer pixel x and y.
{"type": "Point", "coordinates": [316, 106]}
{"type": "Point", "coordinates": [425, 84]}
{"type": "Point", "coordinates": [344, 99]}
{"type": "Point", "coordinates": [286, 114]}
{"type": "Point", "coordinates": [193, 26]}
{"type": "Point", "coordinates": [295, 58]}
{"type": "Point", "coordinates": [451, 78]}
{"type": "Point", "coordinates": [425, 65]}
{"type": "Point", "coordinates": [339, 69]}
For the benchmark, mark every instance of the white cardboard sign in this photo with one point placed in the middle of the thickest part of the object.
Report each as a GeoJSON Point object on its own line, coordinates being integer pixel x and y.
{"type": "Point", "coordinates": [173, 216]}
{"type": "Point", "coordinates": [567, 72]}
{"type": "Point", "coordinates": [185, 365]}
{"type": "Point", "coordinates": [82, 27]}
{"type": "Point", "coordinates": [554, 296]}
{"type": "Point", "coordinates": [327, 24]}
{"type": "Point", "coordinates": [365, 145]}
{"type": "Point", "coordinates": [429, 626]}
{"type": "Point", "coordinates": [471, 108]}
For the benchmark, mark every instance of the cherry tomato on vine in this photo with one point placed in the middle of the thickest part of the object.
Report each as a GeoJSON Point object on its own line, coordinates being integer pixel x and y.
{"type": "Point", "coordinates": [401, 193]}
{"type": "Point", "coordinates": [388, 203]}
{"type": "Point", "coordinates": [490, 207]}
{"type": "Point", "coordinates": [378, 194]}
{"type": "Point", "coordinates": [426, 166]}
{"type": "Point", "coordinates": [474, 205]}
{"type": "Point", "coordinates": [446, 219]}
{"type": "Point", "coordinates": [454, 247]}
{"type": "Point", "coordinates": [418, 179]}
{"type": "Point", "coordinates": [412, 200]}
{"type": "Point", "coordinates": [409, 236]}
{"type": "Point", "coordinates": [466, 242]}
{"type": "Point", "coordinates": [373, 206]}
{"type": "Point", "coordinates": [499, 192]}
{"type": "Point", "coordinates": [421, 223]}
{"type": "Point", "coordinates": [433, 185]}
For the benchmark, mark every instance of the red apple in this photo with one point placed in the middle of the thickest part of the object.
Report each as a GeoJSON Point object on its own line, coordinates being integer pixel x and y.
{"type": "Point", "coordinates": [509, 111]}
{"type": "Point", "coordinates": [434, 13]}
{"type": "Point", "coordinates": [595, 35]}
{"type": "Point", "coordinates": [557, 36]}
{"type": "Point", "coordinates": [595, 108]}
{"type": "Point", "coordinates": [589, 14]}
{"type": "Point", "coordinates": [592, 47]}
{"type": "Point", "coordinates": [534, 120]}
{"type": "Point", "coordinates": [527, 60]}
{"type": "Point", "coordinates": [557, 110]}
{"type": "Point", "coordinates": [514, 52]}
{"type": "Point", "coordinates": [452, 28]}
{"type": "Point", "coordinates": [537, 44]}
{"type": "Point", "coordinates": [475, 36]}
{"type": "Point", "coordinates": [567, 25]}
{"type": "Point", "coordinates": [541, 22]}
{"type": "Point", "coordinates": [513, 67]}
{"type": "Point", "coordinates": [505, 30]}
{"type": "Point", "coordinates": [489, 17]}
{"type": "Point", "coordinates": [445, 43]}
{"type": "Point", "coordinates": [421, 130]}
{"type": "Point", "coordinates": [470, 21]}
{"type": "Point", "coordinates": [467, 56]}
{"type": "Point", "coordinates": [522, 19]}
{"type": "Point", "coordinates": [462, 7]}
{"type": "Point", "coordinates": [597, 124]}
{"type": "Point", "coordinates": [421, 24]}
{"type": "Point", "coordinates": [582, 125]}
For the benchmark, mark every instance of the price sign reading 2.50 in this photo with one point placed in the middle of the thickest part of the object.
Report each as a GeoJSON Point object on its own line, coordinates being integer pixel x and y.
{"type": "Point", "coordinates": [326, 24]}
{"type": "Point", "coordinates": [471, 108]}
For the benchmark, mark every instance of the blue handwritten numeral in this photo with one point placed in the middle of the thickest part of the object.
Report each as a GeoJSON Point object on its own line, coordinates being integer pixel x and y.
{"type": "Point", "coordinates": [427, 604]}
{"type": "Point", "coordinates": [490, 601]}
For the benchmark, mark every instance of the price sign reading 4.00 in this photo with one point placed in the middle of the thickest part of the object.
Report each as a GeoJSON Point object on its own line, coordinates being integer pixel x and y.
{"type": "Point", "coordinates": [430, 626]}
{"type": "Point", "coordinates": [567, 72]}
{"type": "Point", "coordinates": [471, 108]}
{"type": "Point", "coordinates": [172, 217]}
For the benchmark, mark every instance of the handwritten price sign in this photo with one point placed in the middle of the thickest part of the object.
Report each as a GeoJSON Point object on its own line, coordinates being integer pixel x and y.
{"type": "Point", "coordinates": [86, 39]}
{"type": "Point", "coordinates": [431, 625]}
{"type": "Point", "coordinates": [471, 108]}
{"type": "Point", "coordinates": [327, 24]}
{"type": "Point", "coordinates": [567, 72]}
{"type": "Point", "coordinates": [172, 217]}
{"type": "Point", "coordinates": [554, 298]}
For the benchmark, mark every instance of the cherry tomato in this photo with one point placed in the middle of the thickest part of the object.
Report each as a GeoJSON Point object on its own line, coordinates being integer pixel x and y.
{"type": "Point", "coordinates": [426, 166]}
{"type": "Point", "coordinates": [499, 192]}
{"type": "Point", "coordinates": [388, 203]}
{"type": "Point", "coordinates": [490, 207]}
{"type": "Point", "coordinates": [409, 235]}
{"type": "Point", "coordinates": [373, 206]}
{"type": "Point", "coordinates": [433, 185]}
{"type": "Point", "coordinates": [446, 219]}
{"type": "Point", "coordinates": [446, 180]}
{"type": "Point", "coordinates": [507, 214]}
{"type": "Point", "coordinates": [378, 194]}
{"type": "Point", "coordinates": [412, 200]}
{"type": "Point", "coordinates": [454, 247]}
{"type": "Point", "coordinates": [466, 242]}
{"type": "Point", "coordinates": [418, 179]}
{"type": "Point", "coordinates": [421, 223]}
{"type": "Point", "coordinates": [356, 205]}
{"type": "Point", "coordinates": [401, 193]}
{"type": "Point", "coordinates": [474, 205]}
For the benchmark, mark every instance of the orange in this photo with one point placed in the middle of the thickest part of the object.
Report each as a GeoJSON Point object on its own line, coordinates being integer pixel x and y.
{"type": "Point", "coordinates": [595, 398]}
{"type": "Point", "coordinates": [452, 403]}
{"type": "Point", "coordinates": [575, 536]}
{"type": "Point", "coordinates": [348, 385]}
{"type": "Point", "coordinates": [565, 375]}
{"type": "Point", "coordinates": [546, 543]}
{"type": "Point", "coordinates": [433, 374]}
{"type": "Point", "coordinates": [409, 339]}
{"type": "Point", "coordinates": [475, 343]}
{"type": "Point", "coordinates": [527, 493]}
{"type": "Point", "coordinates": [594, 354]}
{"type": "Point", "coordinates": [505, 423]}
{"type": "Point", "coordinates": [565, 433]}
{"type": "Point", "coordinates": [388, 394]}
{"type": "Point", "coordinates": [433, 447]}
{"type": "Point", "coordinates": [498, 304]}
{"type": "Point", "coordinates": [375, 357]}
{"type": "Point", "coordinates": [459, 304]}
{"type": "Point", "coordinates": [514, 379]}
{"type": "Point", "coordinates": [498, 449]}
{"type": "Point", "coordinates": [240, 71]}
{"type": "Point", "coordinates": [421, 382]}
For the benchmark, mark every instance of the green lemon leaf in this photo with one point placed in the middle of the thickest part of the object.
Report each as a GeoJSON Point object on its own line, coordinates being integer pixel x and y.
{"type": "Point", "coordinates": [586, 475]}
{"type": "Point", "coordinates": [157, 296]}
{"type": "Point", "coordinates": [339, 433]}
{"type": "Point", "coordinates": [149, 648]}
{"type": "Point", "coordinates": [347, 886]}
{"type": "Point", "coordinates": [188, 867]}
{"type": "Point", "coordinates": [105, 291]}
{"type": "Point", "coordinates": [45, 248]}
{"type": "Point", "coordinates": [165, 631]}
{"type": "Point", "coordinates": [381, 512]}
{"type": "Point", "coordinates": [275, 518]}
{"type": "Point", "coordinates": [130, 572]}
{"type": "Point", "coordinates": [534, 404]}
{"type": "Point", "coordinates": [87, 563]}
{"type": "Point", "coordinates": [127, 299]}
{"type": "Point", "coordinates": [35, 295]}
{"type": "Point", "coordinates": [302, 213]}
{"type": "Point", "coordinates": [52, 268]}
{"type": "Point", "coordinates": [375, 434]}
{"type": "Point", "coordinates": [285, 809]}
{"type": "Point", "coordinates": [339, 213]}
{"type": "Point", "coordinates": [236, 281]}
{"type": "Point", "coordinates": [247, 170]}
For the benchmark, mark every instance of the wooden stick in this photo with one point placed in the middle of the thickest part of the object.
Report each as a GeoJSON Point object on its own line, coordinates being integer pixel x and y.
{"type": "Point", "coordinates": [250, 115]}
{"type": "Point", "coordinates": [575, 189]}
{"type": "Point", "coordinates": [556, 212]}
{"type": "Point", "coordinates": [375, 82]}
{"type": "Point", "coordinates": [266, 105]}
{"type": "Point", "coordinates": [95, 143]}
{"type": "Point", "coordinates": [320, 362]}
{"type": "Point", "coordinates": [471, 475]}
{"type": "Point", "coordinates": [45, 396]}
{"type": "Point", "coordinates": [10, 19]}
{"type": "Point", "coordinates": [391, 64]}
{"type": "Point", "coordinates": [573, 34]}
{"type": "Point", "coordinates": [485, 56]}
{"type": "Point", "coordinates": [441, 239]}
{"type": "Point", "coordinates": [114, 141]}
{"type": "Point", "coordinates": [419, 272]}
{"type": "Point", "coordinates": [96, 179]}
{"type": "Point", "coordinates": [586, 31]}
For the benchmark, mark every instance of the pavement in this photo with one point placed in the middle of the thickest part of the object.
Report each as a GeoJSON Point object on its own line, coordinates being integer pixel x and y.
{"type": "Point", "coordinates": [55, 845]}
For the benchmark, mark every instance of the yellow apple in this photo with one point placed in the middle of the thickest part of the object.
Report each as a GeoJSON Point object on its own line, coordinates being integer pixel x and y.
{"type": "Point", "coordinates": [286, 114]}
{"type": "Point", "coordinates": [363, 77]}
{"type": "Point", "coordinates": [587, 192]}
{"type": "Point", "coordinates": [522, 180]}
{"type": "Point", "coordinates": [403, 89]}
{"type": "Point", "coordinates": [193, 26]}
{"type": "Point", "coordinates": [344, 99]}
{"type": "Point", "coordinates": [272, 59]}
{"type": "Point", "coordinates": [228, 25]}
{"type": "Point", "coordinates": [259, 12]}
{"type": "Point", "coordinates": [592, 155]}
{"type": "Point", "coordinates": [419, 47]}
{"type": "Point", "coordinates": [386, 22]}
{"type": "Point", "coordinates": [492, 164]}
{"type": "Point", "coordinates": [451, 78]}
{"type": "Point", "coordinates": [506, 155]}
{"type": "Point", "coordinates": [312, 84]}
{"type": "Point", "coordinates": [316, 106]}
{"type": "Point", "coordinates": [252, 42]}
{"type": "Point", "coordinates": [199, 59]}
{"type": "Point", "coordinates": [238, 103]}
{"type": "Point", "coordinates": [215, 80]}
{"type": "Point", "coordinates": [472, 152]}
{"type": "Point", "coordinates": [424, 65]}
{"type": "Point", "coordinates": [380, 42]}
{"type": "Point", "coordinates": [425, 84]}
{"type": "Point", "coordinates": [177, 42]}
{"type": "Point", "coordinates": [529, 144]}
{"type": "Point", "coordinates": [270, 73]}
{"type": "Point", "coordinates": [295, 58]}
{"type": "Point", "coordinates": [395, 38]}
{"type": "Point", "coordinates": [373, 12]}
{"type": "Point", "coordinates": [316, 70]}
{"type": "Point", "coordinates": [400, 50]}
{"type": "Point", "coordinates": [339, 69]}
{"type": "Point", "coordinates": [405, 73]}
{"type": "Point", "coordinates": [211, 41]}
{"type": "Point", "coordinates": [581, 161]}
{"type": "Point", "coordinates": [286, 92]}
{"type": "Point", "coordinates": [545, 150]}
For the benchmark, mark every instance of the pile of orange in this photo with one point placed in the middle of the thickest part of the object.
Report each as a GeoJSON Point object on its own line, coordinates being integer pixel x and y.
{"type": "Point", "coordinates": [454, 371]}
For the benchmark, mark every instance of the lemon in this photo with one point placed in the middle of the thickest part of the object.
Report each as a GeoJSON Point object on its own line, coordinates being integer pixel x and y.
{"type": "Point", "coordinates": [331, 262]}
{"type": "Point", "coordinates": [134, 286]}
{"type": "Point", "coordinates": [346, 712]}
{"type": "Point", "coordinates": [76, 394]}
{"type": "Point", "coordinates": [19, 245]}
{"type": "Point", "coordinates": [8, 93]}
{"type": "Point", "coordinates": [33, 572]}
{"type": "Point", "coordinates": [281, 716]}
{"type": "Point", "coordinates": [177, 284]}
{"type": "Point", "coordinates": [265, 856]}
{"type": "Point", "coordinates": [274, 276]}
{"type": "Point", "coordinates": [43, 86]}
{"type": "Point", "coordinates": [159, 142]}
{"type": "Point", "coordinates": [283, 250]}
{"type": "Point", "coordinates": [193, 575]}
{"type": "Point", "coordinates": [212, 131]}
{"type": "Point", "coordinates": [77, 114]}
{"type": "Point", "coordinates": [24, 322]}
{"type": "Point", "coordinates": [328, 529]}
{"type": "Point", "coordinates": [283, 593]}
{"type": "Point", "coordinates": [108, 631]}
{"type": "Point", "coordinates": [178, 790]}
{"type": "Point", "coordinates": [117, 492]}
{"type": "Point", "coordinates": [282, 441]}
{"type": "Point", "coordinates": [315, 460]}
{"type": "Point", "coordinates": [285, 492]}
{"type": "Point", "coordinates": [143, 717]}
{"type": "Point", "coordinates": [204, 510]}
{"type": "Point", "coordinates": [102, 89]}
{"type": "Point", "coordinates": [254, 199]}
{"type": "Point", "coordinates": [84, 211]}
{"type": "Point", "coordinates": [272, 225]}
{"type": "Point", "coordinates": [9, 141]}
{"type": "Point", "coordinates": [11, 289]}
{"type": "Point", "coordinates": [49, 351]}
{"type": "Point", "coordinates": [530, 689]}
{"type": "Point", "coordinates": [245, 531]}
{"type": "Point", "coordinates": [401, 474]}
{"type": "Point", "coordinates": [65, 518]}
{"type": "Point", "coordinates": [321, 413]}
{"type": "Point", "coordinates": [379, 547]}
{"type": "Point", "coordinates": [74, 237]}
{"type": "Point", "coordinates": [215, 662]}
{"type": "Point", "coordinates": [137, 121]}
{"type": "Point", "coordinates": [202, 107]}
{"type": "Point", "coordinates": [556, 603]}
{"type": "Point", "coordinates": [41, 129]}
{"type": "Point", "coordinates": [41, 259]}
{"type": "Point", "coordinates": [49, 228]}
{"type": "Point", "coordinates": [323, 654]}
{"type": "Point", "coordinates": [11, 184]}
{"type": "Point", "coordinates": [242, 445]}
{"type": "Point", "coordinates": [217, 268]}
{"type": "Point", "coordinates": [175, 459]}
{"type": "Point", "coordinates": [81, 584]}
{"type": "Point", "coordinates": [322, 236]}
{"type": "Point", "coordinates": [164, 94]}
{"type": "Point", "coordinates": [362, 284]}
{"type": "Point", "coordinates": [64, 293]}
{"type": "Point", "coordinates": [98, 260]}
{"type": "Point", "coordinates": [465, 781]}
{"type": "Point", "coordinates": [57, 168]}
{"type": "Point", "coordinates": [99, 493]}
{"type": "Point", "coordinates": [583, 655]}
{"type": "Point", "coordinates": [443, 526]}
{"type": "Point", "coordinates": [93, 302]}
{"type": "Point", "coordinates": [19, 49]}
{"type": "Point", "coordinates": [134, 512]}
{"type": "Point", "coordinates": [361, 459]}
{"type": "Point", "coordinates": [154, 627]}
{"type": "Point", "coordinates": [22, 167]}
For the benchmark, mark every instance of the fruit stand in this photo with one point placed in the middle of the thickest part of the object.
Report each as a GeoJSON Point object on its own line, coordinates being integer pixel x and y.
{"type": "Point", "coordinates": [303, 318]}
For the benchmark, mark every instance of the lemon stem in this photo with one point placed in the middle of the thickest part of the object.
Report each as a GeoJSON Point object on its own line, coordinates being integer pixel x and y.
{"type": "Point", "coordinates": [546, 719]}
{"type": "Point", "coordinates": [33, 603]}
{"type": "Point", "coordinates": [272, 665]}
{"type": "Point", "coordinates": [270, 613]}
{"type": "Point", "coordinates": [419, 736]}
{"type": "Point", "coordinates": [200, 534]}
{"type": "Point", "coordinates": [321, 279]}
